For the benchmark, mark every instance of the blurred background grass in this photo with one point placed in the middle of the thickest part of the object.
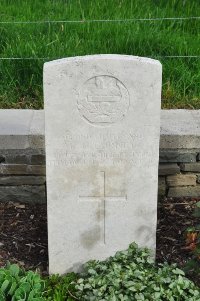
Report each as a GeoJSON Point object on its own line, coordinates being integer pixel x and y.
{"type": "Point", "coordinates": [21, 80]}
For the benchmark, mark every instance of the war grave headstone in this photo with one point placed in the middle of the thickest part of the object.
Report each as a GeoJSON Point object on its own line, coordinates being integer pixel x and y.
{"type": "Point", "coordinates": [102, 120]}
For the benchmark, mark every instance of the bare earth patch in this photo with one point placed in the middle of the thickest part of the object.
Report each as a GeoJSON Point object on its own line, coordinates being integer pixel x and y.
{"type": "Point", "coordinates": [23, 235]}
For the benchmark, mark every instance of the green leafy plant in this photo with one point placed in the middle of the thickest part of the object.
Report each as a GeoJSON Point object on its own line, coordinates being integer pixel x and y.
{"type": "Point", "coordinates": [60, 288]}
{"type": "Point", "coordinates": [131, 275]}
{"type": "Point", "coordinates": [16, 284]}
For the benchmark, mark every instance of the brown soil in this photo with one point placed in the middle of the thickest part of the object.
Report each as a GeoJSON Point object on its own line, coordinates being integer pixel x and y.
{"type": "Point", "coordinates": [23, 235]}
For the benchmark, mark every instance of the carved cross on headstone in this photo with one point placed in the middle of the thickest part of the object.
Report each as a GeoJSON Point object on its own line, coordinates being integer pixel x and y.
{"type": "Point", "coordinates": [103, 199]}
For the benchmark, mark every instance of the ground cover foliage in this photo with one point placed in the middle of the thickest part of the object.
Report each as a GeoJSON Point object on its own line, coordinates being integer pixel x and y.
{"type": "Point", "coordinates": [21, 80]}
{"type": "Point", "coordinates": [16, 284]}
{"type": "Point", "coordinates": [129, 275]}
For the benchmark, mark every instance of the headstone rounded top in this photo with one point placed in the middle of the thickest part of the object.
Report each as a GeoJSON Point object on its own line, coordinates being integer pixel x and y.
{"type": "Point", "coordinates": [118, 57]}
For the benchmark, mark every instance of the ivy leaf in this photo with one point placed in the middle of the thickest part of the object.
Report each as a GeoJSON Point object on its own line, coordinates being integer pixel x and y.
{"type": "Point", "coordinates": [14, 269]}
{"type": "Point", "coordinates": [5, 285]}
{"type": "Point", "coordinates": [13, 288]}
{"type": "Point", "coordinates": [178, 272]}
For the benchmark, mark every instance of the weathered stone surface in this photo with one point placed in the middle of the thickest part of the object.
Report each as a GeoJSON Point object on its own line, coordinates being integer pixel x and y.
{"type": "Point", "coordinates": [17, 159]}
{"type": "Point", "coordinates": [21, 152]}
{"type": "Point", "coordinates": [182, 180]}
{"type": "Point", "coordinates": [22, 180]}
{"type": "Point", "coordinates": [176, 156]}
{"type": "Point", "coordinates": [187, 191]}
{"type": "Point", "coordinates": [161, 187]}
{"type": "Point", "coordinates": [25, 129]}
{"type": "Point", "coordinates": [24, 194]}
{"type": "Point", "coordinates": [37, 160]}
{"type": "Point", "coordinates": [37, 124]}
{"type": "Point", "coordinates": [168, 169]}
{"type": "Point", "coordinates": [22, 136]}
{"type": "Point", "coordinates": [2, 159]}
{"type": "Point", "coordinates": [22, 169]}
{"type": "Point", "coordinates": [193, 167]}
{"type": "Point", "coordinates": [21, 129]}
{"type": "Point", "coordinates": [177, 125]}
{"type": "Point", "coordinates": [180, 129]}
{"type": "Point", "coordinates": [102, 156]}
{"type": "Point", "coordinates": [31, 159]}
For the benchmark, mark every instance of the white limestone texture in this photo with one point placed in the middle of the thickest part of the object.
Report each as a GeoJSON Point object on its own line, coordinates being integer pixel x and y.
{"type": "Point", "coordinates": [102, 127]}
{"type": "Point", "coordinates": [21, 129]}
{"type": "Point", "coordinates": [180, 129]}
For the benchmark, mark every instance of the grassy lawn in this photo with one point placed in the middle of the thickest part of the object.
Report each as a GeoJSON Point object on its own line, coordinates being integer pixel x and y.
{"type": "Point", "coordinates": [21, 80]}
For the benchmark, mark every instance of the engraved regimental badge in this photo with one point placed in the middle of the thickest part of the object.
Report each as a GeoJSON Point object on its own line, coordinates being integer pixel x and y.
{"type": "Point", "coordinates": [103, 100]}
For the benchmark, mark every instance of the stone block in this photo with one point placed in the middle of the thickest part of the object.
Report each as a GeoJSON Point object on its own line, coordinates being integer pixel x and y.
{"type": "Point", "coordinates": [21, 129]}
{"type": "Point", "coordinates": [36, 170]}
{"type": "Point", "coordinates": [37, 160]}
{"type": "Point", "coordinates": [21, 180]}
{"type": "Point", "coordinates": [181, 180]}
{"type": "Point", "coordinates": [24, 194]}
{"type": "Point", "coordinates": [161, 187]}
{"type": "Point", "coordinates": [22, 169]}
{"type": "Point", "coordinates": [180, 129]}
{"type": "Point", "coordinates": [176, 156]}
{"type": "Point", "coordinates": [21, 152]}
{"type": "Point", "coordinates": [17, 159]}
{"type": "Point", "coordinates": [187, 191]}
{"type": "Point", "coordinates": [168, 169]}
{"type": "Point", "coordinates": [191, 167]}
{"type": "Point", "coordinates": [2, 159]}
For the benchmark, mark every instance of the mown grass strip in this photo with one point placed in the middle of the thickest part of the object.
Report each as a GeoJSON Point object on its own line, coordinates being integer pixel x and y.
{"type": "Point", "coordinates": [174, 40]}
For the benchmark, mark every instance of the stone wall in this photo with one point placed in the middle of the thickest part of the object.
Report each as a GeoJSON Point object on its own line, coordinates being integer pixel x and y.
{"type": "Point", "coordinates": [22, 155]}
{"type": "Point", "coordinates": [179, 163]}
{"type": "Point", "coordinates": [179, 174]}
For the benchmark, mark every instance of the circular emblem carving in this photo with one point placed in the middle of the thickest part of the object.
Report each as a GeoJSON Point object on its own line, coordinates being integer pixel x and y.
{"type": "Point", "coordinates": [103, 100]}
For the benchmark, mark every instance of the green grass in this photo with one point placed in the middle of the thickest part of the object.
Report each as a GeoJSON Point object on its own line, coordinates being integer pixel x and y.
{"type": "Point", "coordinates": [21, 80]}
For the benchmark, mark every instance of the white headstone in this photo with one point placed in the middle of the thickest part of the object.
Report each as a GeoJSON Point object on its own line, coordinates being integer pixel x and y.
{"type": "Point", "coordinates": [102, 117]}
